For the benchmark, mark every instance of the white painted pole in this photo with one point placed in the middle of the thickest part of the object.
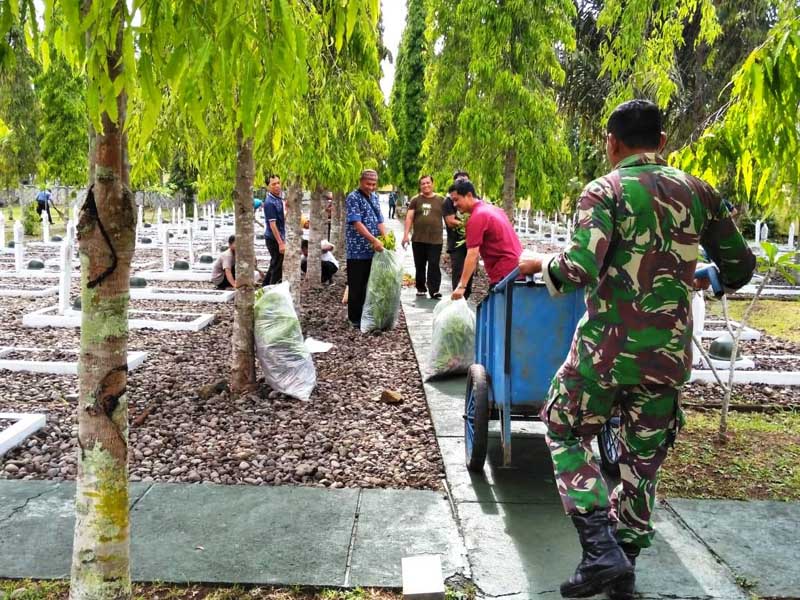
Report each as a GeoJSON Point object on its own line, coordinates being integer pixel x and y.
{"type": "Point", "coordinates": [45, 227]}
{"type": "Point", "coordinates": [758, 231]}
{"type": "Point", "coordinates": [165, 249]}
{"type": "Point", "coordinates": [64, 277]}
{"type": "Point", "coordinates": [191, 248]}
{"type": "Point", "coordinates": [19, 249]}
{"type": "Point", "coordinates": [159, 222]}
{"type": "Point", "coordinates": [194, 217]}
{"type": "Point", "coordinates": [791, 235]}
{"type": "Point", "coordinates": [213, 227]}
{"type": "Point", "coordinates": [2, 230]}
{"type": "Point", "coordinates": [173, 220]}
{"type": "Point", "coordinates": [139, 220]}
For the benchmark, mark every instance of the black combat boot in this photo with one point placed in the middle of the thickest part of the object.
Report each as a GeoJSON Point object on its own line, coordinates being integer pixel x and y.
{"type": "Point", "coordinates": [625, 588]}
{"type": "Point", "coordinates": [603, 562]}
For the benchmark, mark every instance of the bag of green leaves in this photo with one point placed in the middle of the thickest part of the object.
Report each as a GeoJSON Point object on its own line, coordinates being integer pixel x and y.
{"type": "Point", "coordinates": [453, 340]}
{"type": "Point", "coordinates": [382, 304]}
{"type": "Point", "coordinates": [287, 364]}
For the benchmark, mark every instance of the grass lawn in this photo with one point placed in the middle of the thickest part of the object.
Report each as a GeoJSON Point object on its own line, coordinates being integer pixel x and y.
{"type": "Point", "coordinates": [760, 460]}
{"type": "Point", "coordinates": [58, 590]}
{"type": "Point", "coordinates": [779, 318]}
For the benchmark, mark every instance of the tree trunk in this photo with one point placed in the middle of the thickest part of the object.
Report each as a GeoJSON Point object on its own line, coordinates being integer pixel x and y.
{"type": "Point", "coordinates": [318, 232]}
{"type": "Point", "coordinates": [337, 218]}
{"type": "Point", "coordinates": [106, 238]}
{"type": "Point", "coordinates": [510, 183]}
{"type": "Point", "coordinates": [243, 372]}
{"type": "Point", "coordinates": [294, 235]}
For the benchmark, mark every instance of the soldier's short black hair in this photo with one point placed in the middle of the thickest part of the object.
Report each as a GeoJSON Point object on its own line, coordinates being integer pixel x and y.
{"type": "Point", "coordinates": [464, 187]}
{"type": "Point", "coordinates": [637, 124]}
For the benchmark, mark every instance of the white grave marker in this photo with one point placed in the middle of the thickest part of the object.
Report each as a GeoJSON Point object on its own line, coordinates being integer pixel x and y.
{"type": "Point", "coordinates": [64, 278]}
{"type": "Point", "coordinates": [2, 230]}
{"type": "Point", "coordinates": [758, 231]}
{"type": "Point", "coordinates": [45, 227]}
{"type": "Point", "coordinates": [165, 249]}
{"type": "Point", "coordinates": [19, 250]}
{"type": "Point", "coordinates": [791, 235]}
{"type": "Point", "coordinates": [191, 246]}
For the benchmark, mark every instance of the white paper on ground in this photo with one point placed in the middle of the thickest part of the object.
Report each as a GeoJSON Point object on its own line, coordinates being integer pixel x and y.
{"type": "Point", "coordinates": [316, 346]}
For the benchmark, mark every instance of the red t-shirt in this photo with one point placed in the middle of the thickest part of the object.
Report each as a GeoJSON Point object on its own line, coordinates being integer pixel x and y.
{"type": "Point", "coordinates": [489, 229]}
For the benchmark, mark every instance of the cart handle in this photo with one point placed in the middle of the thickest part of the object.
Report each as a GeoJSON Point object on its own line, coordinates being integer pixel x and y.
{"type": "Point", "coordinates": [501, 285]}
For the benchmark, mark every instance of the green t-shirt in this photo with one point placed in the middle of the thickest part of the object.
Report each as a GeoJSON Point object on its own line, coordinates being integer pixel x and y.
{"type": "Point", "coordinates": [428, 219]}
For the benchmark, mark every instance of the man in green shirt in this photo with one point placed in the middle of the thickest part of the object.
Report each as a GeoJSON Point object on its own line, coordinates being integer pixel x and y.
{"type": "Point", "coordinates": [425, 216]}
{"type": "Point", "coordinates": [634, 251]}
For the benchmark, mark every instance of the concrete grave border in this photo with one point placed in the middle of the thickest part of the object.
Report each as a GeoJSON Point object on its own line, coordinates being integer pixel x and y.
{"type": "Point", "coordinates": [49, 317]}
{"type": "Point", "coordinates": [186, 295]}
{"type": "Point", "coordinates": [34, 293]}
{"type": "Point", "coordinates": [748, 334]}
{"type": "Point", "coordinates": [173, 275]}
{"type": "Point", "coordinates": [26, 425]}
{"type": "Point", "coordinates": [765, 377]}
{"type": "Point", "coordinates": [56, 367]}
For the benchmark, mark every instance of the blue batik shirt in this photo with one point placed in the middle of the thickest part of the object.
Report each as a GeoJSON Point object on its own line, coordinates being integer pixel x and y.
{"type": "Point", "coordinates": [365, 208]}
{"type": "Point", "coordinates": [273, 211]}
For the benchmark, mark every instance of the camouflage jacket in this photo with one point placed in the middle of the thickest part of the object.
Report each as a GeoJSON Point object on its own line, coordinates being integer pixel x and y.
{"type": "Point", "coordinates": [634, 249]}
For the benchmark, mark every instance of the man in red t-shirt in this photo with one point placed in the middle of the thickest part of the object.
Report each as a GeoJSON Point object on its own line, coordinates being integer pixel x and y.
{"type": "Point", "coordinates": [489, 233]}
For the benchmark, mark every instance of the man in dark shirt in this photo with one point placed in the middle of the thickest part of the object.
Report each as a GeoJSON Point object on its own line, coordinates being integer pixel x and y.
{"type": "Point", "coordinates": [456, 244]}
{"type": "Point", "coordinates": [275, 235]}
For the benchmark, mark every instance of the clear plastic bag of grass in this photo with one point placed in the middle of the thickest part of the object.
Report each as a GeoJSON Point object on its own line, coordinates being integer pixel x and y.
{"type": "Point", "coordinates": [453, 339]}
{"type": "Point", "coordinates": [287, 365]}
{"type": "Point", "coordinates": [382, 305]}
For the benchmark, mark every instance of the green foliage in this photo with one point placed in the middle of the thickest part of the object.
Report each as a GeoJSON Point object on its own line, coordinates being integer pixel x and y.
{"type": "Point", "coordinates": [63, 127]}
{"type": "Point", "coordinates": [389, 242]}
{"type": "Point", "coordinates": [408, 101]}
{"type": "Point", "coordinates": [755, 143]}
{"type": "Point", "coordinates": [19, 109]}
{"type": "Point", "coordinates": [31, 221]}
{"type": "Point", "coordinates": [491, 92]}
{"type": "Point", "coordinates": [643, 39]}
{"type": "Point", "coordinates": [772, 262]}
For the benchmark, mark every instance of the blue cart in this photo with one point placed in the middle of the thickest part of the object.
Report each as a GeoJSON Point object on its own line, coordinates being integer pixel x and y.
{"type": "Point", "coordinates": [522, 338]}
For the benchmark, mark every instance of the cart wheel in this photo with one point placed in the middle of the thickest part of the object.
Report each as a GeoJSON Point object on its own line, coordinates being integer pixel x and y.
{"type": "Point", "coordinates": [476, 418]}
{"type": "Point", "coordinates": [608, 443]}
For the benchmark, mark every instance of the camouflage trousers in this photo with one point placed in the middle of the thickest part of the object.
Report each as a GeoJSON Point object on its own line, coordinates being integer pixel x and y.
{"type": "Point", "coordinates": [650, 418]}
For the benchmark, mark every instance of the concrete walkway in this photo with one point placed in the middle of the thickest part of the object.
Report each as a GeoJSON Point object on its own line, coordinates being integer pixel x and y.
{"type": "Point", "coordinates": [503, 529]}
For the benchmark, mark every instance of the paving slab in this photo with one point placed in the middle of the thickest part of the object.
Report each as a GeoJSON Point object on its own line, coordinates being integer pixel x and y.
{"type": "Point", "coordinates": [242, 534]}
{"type": "Point", "coordinates": [758, 540]}
{"type": "Point", "coordinates": [529, 479]}
{"type": "Point", "coordinates": [394, 524]}
{"type": "Point", "coordinates": [36, 525]}
{"type": "Point", "coordinates": [526, 551]}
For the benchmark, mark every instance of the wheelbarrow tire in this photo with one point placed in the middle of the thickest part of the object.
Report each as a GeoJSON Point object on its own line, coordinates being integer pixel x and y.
{"type": "Point", "coordinates": [608, 444]}
{"type": "Point", "coordinates": [476, 417]}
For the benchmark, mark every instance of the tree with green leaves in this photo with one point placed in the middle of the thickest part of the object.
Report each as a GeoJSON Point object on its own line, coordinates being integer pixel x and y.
{"type": "Point", "coordinates": [408, 101]}
{"type": "Point", "coordinates": [503, 59]}
{"type": "Point", "coordinates": [753, 142]}
{"type": "Point", "coordinates": [19, 109]}
{"type": "Point", "coordinates": [64, 126]}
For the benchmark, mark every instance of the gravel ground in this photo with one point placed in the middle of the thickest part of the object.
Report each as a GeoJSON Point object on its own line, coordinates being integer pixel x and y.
{"type": "Point", "coordinates": [185, 427]}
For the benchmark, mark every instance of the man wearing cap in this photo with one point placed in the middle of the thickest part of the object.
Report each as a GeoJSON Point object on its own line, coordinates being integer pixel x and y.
{"type": "Point", "coordinates": [456, 245]}
{"type": "Point", "coordinates": [364, 225]}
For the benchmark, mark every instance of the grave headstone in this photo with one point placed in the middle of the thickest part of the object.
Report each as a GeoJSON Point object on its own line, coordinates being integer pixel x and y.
{"type": "Point", "coordinates": [64, 277]}
{"type": "Point", "coordinates": [2, 230]}
{"type": "Point", "coordinates": [191, 245]}
{"type": "Point", "coordinates": [45, 228]}
{"type": "Point", "coordinates": [164, 250]}
{"type": "Point", "coordinates": [173, 220]}
{"type": "Point", "coordinates": [764, 232]}
{"type": "Point", "coordinates": [791, 235]}
{"type": "Point", "coordinates": [139, 219]}
{"type": "Point", "coordinates": [213, 239]}
{"type": "Point", "coordinates": [159, 222]}
{"type": "Point", "coordinates": [19, 248]}
{"type": "Point", "coordinates": [758, 231]}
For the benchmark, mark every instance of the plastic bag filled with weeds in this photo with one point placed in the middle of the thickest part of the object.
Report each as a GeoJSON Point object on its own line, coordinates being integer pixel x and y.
{"type": "Point", "coordinates": [382, 305]}
{"type": "Point", "coordinates": [453, 339]}
{"type": "Point", "coordinates": [287, 364]}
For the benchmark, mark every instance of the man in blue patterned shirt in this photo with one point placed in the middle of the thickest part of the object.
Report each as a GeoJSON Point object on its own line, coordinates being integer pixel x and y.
{"type": "Point", "coordinates": [364, 225]}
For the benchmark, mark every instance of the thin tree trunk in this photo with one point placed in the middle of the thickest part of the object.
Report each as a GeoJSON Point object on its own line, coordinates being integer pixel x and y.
{"type": "Point", "coordinates": [337, 218]}
{"type": "Point", "coordinates": [316, 235]}
{"type": "Point", "coordinates": [106, 238]}
{"type": "Point", "coordinates": [243, 372]}
{"type": "Point", "coordinates": [510, 183]}
{"type": "Point", "coordinates": [294, 235]}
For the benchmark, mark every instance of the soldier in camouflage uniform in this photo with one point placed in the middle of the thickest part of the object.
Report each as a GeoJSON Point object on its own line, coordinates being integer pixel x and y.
{"type": "Point", "coordinates": [634, 250]}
